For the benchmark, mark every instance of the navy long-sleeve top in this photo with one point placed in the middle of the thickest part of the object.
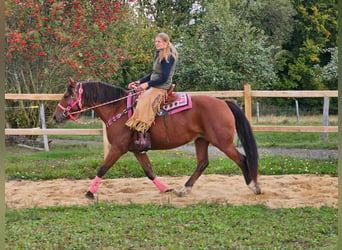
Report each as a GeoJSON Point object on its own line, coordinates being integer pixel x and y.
{"type": "Point", "coordinates": [162, 73]}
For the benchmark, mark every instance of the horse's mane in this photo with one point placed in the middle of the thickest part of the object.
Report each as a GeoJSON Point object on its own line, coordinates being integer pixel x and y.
{"type": "Point", "coordinates": [99, 92]}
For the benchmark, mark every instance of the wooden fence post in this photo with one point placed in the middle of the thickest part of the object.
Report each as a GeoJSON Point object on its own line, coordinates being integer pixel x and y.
{"type": "Point", "coordinates": [297, 111]}
{"type": "Point", "coordinates": [257, 112]}
{"type": "Point", "coordinates": [248, 102]}
{"type": "Point", "coordinates": [43, 125]}
{"type": "Point", "coordinates": [325, 116]}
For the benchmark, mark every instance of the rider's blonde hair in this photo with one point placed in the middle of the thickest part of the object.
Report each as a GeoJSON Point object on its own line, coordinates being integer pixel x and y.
{"type": "Point", "coordinates": [169, 50]}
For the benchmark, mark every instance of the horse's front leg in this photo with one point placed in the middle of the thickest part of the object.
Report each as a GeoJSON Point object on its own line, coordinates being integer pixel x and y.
{"type": "Point", "coordinates": [201, 145]}
{"type": "Point", "coordinates": [113, 155]}
{"type": "Point", "coordinates": [147, 167]}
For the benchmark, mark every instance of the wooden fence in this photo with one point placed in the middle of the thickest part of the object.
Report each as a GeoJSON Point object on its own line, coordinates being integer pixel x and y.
{"type": "Point", "coordinates": [247, 94]}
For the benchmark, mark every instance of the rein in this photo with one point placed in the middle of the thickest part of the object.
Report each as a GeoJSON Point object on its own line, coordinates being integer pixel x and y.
{"type": "Point", "coordinates": [74, 115]}
{"type": "Point", "coordinates": [117, 116]}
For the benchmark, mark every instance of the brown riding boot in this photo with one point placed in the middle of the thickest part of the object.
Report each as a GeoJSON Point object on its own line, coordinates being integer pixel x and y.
{"type": "Point", "coordinates": [143, 142]}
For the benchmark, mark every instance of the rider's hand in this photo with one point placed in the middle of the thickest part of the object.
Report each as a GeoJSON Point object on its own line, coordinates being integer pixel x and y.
{"type": "Point", "coordinates": [133, 85]}
{"type": "Point", "coordinates": [144, 85]}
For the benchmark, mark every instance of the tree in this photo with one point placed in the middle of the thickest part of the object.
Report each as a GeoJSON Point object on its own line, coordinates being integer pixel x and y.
{"type": "Point", "coordinates": [315, 29]}
{"type": "Point", "coordinates": [173, 17]}
{"type": "Point", "coordinates": [135, 36]}
{"type": "Point", "coordinates": [225, 52]}
{"type": "Point", "coordinates": [46, 41]}
{"type": "Point", "coordinates": [329, 72]}
{"type": "Point", "coordinates": [274, 17]}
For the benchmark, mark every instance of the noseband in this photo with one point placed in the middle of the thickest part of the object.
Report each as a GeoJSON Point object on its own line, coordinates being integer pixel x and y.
{"type": "Point", "coordinates": [73, 103]}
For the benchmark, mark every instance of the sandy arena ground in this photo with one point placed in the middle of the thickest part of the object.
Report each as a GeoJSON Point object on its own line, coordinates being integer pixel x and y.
{"type": "Point", "coordinates": [284, 191]}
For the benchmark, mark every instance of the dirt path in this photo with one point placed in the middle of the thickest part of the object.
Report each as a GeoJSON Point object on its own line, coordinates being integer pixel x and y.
{"type": "Point", "coordinates": [285, 191]}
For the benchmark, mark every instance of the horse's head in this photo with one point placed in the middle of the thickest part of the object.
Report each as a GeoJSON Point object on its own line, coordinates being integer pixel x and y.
{"type": "Point", "coordinates": [70, 103]}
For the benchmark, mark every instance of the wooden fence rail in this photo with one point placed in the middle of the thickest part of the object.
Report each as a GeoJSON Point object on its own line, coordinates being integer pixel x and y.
{"type": "Point", "coordinates": [247, 94]}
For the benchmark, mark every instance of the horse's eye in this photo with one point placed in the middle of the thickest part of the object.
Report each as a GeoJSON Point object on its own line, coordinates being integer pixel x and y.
{"type": "Point", "coordinates": [66, 96]}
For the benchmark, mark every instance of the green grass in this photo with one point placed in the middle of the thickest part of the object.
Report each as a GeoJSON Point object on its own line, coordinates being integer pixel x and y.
{"type": "Point", "coordinates": [81, 161]}
{"type": "Point", "coordinates": [304, 120]}
{"type": "Point", "coordinates": [296, 140]}
{"type": "Point", "coordinates": [204, 226]}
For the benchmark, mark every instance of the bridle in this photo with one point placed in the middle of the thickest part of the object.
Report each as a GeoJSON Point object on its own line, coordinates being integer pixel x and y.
{"type": "Point", "coordinates": [78, 101]}
{"type": "Point", "coordinates": [72, 103]}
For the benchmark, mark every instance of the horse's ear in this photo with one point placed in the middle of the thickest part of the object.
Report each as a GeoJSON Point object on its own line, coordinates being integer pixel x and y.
{"type": "Point", "coordinates": [72, 82]}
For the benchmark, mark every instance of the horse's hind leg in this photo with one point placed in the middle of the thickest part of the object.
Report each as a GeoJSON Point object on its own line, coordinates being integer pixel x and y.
{"type": "Point", "coordinates": [201, 145]}
{"type": "Point", "coordinates": [241, 161]}
{"type": "Point", "coordinates": [147, 167]}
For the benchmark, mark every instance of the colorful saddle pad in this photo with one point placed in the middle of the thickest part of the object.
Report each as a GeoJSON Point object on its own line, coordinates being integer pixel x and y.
{"type": "Point", "coordinates": [180, 101]}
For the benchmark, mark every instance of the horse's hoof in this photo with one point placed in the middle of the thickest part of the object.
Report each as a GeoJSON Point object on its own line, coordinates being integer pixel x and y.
{"type": "Point", "coordinates": [169, 190]}
{"type": "Point", "coordinates": [255, 188]}
{"type": "Point", "coordinates": [183, 192]}
{"type": "Point", "coordinates": [90, 195]}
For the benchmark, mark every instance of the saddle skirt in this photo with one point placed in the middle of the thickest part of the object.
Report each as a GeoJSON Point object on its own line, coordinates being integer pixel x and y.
{"type": "Point", "coordinates": [177, 102]}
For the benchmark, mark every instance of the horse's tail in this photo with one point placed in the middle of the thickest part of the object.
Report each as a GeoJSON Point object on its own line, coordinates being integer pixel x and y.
{"type": "Point", "coordinates": [247, 139]}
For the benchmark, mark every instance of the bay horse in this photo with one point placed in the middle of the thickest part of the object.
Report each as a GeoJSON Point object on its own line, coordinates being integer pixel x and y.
{"type": "Point", "coordinates": [209, 121]}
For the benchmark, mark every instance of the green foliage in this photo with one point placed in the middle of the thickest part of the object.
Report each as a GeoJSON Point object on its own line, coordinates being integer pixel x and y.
{"type": "Point", "coordinates": [172, 17]}
{"type": "Point", "coordinates": [265, 14]}
{"type": "Point", "coordinates": [304, 56]}
{"type": "Point", "coordinates": [152, 226]}
{"type": "Point", "coordinates": [224, 53]}
{"type": "Point", "coordinates": [23, 116]}
{"type": "Point", "coordinates": [315, 28]}
{"type": "Point", "coordinates": [329, 72]}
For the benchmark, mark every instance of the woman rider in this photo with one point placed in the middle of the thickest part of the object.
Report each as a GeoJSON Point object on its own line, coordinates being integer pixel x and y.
{"type": "Point", "coordinates": [156, 85]}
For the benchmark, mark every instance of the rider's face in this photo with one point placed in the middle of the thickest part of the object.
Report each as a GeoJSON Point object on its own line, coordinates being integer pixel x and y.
{"type": "Point", "coordinates": [160, 43]}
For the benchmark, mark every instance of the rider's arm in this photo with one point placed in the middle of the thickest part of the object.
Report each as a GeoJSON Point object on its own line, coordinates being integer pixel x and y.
{"type": "Point", "coordinates": [145, 78]}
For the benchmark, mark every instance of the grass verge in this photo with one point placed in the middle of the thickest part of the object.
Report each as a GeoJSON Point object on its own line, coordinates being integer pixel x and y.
{"type": "Point", "coordinates": [204, 226]}
{"type": "Point", "coordinates": [296, 140]}
{"type": "Point", "coordinates": [82, 161]}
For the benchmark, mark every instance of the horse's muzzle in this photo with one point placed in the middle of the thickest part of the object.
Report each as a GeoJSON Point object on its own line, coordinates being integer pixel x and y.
{"type": "Point", "coordinates": [58, 118]}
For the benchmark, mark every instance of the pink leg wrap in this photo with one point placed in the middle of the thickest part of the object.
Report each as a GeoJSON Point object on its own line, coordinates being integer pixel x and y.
{"type": "Point", "coordinates": [95, 184]}
{"type": "Point", "coordinates": [160, 185]}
